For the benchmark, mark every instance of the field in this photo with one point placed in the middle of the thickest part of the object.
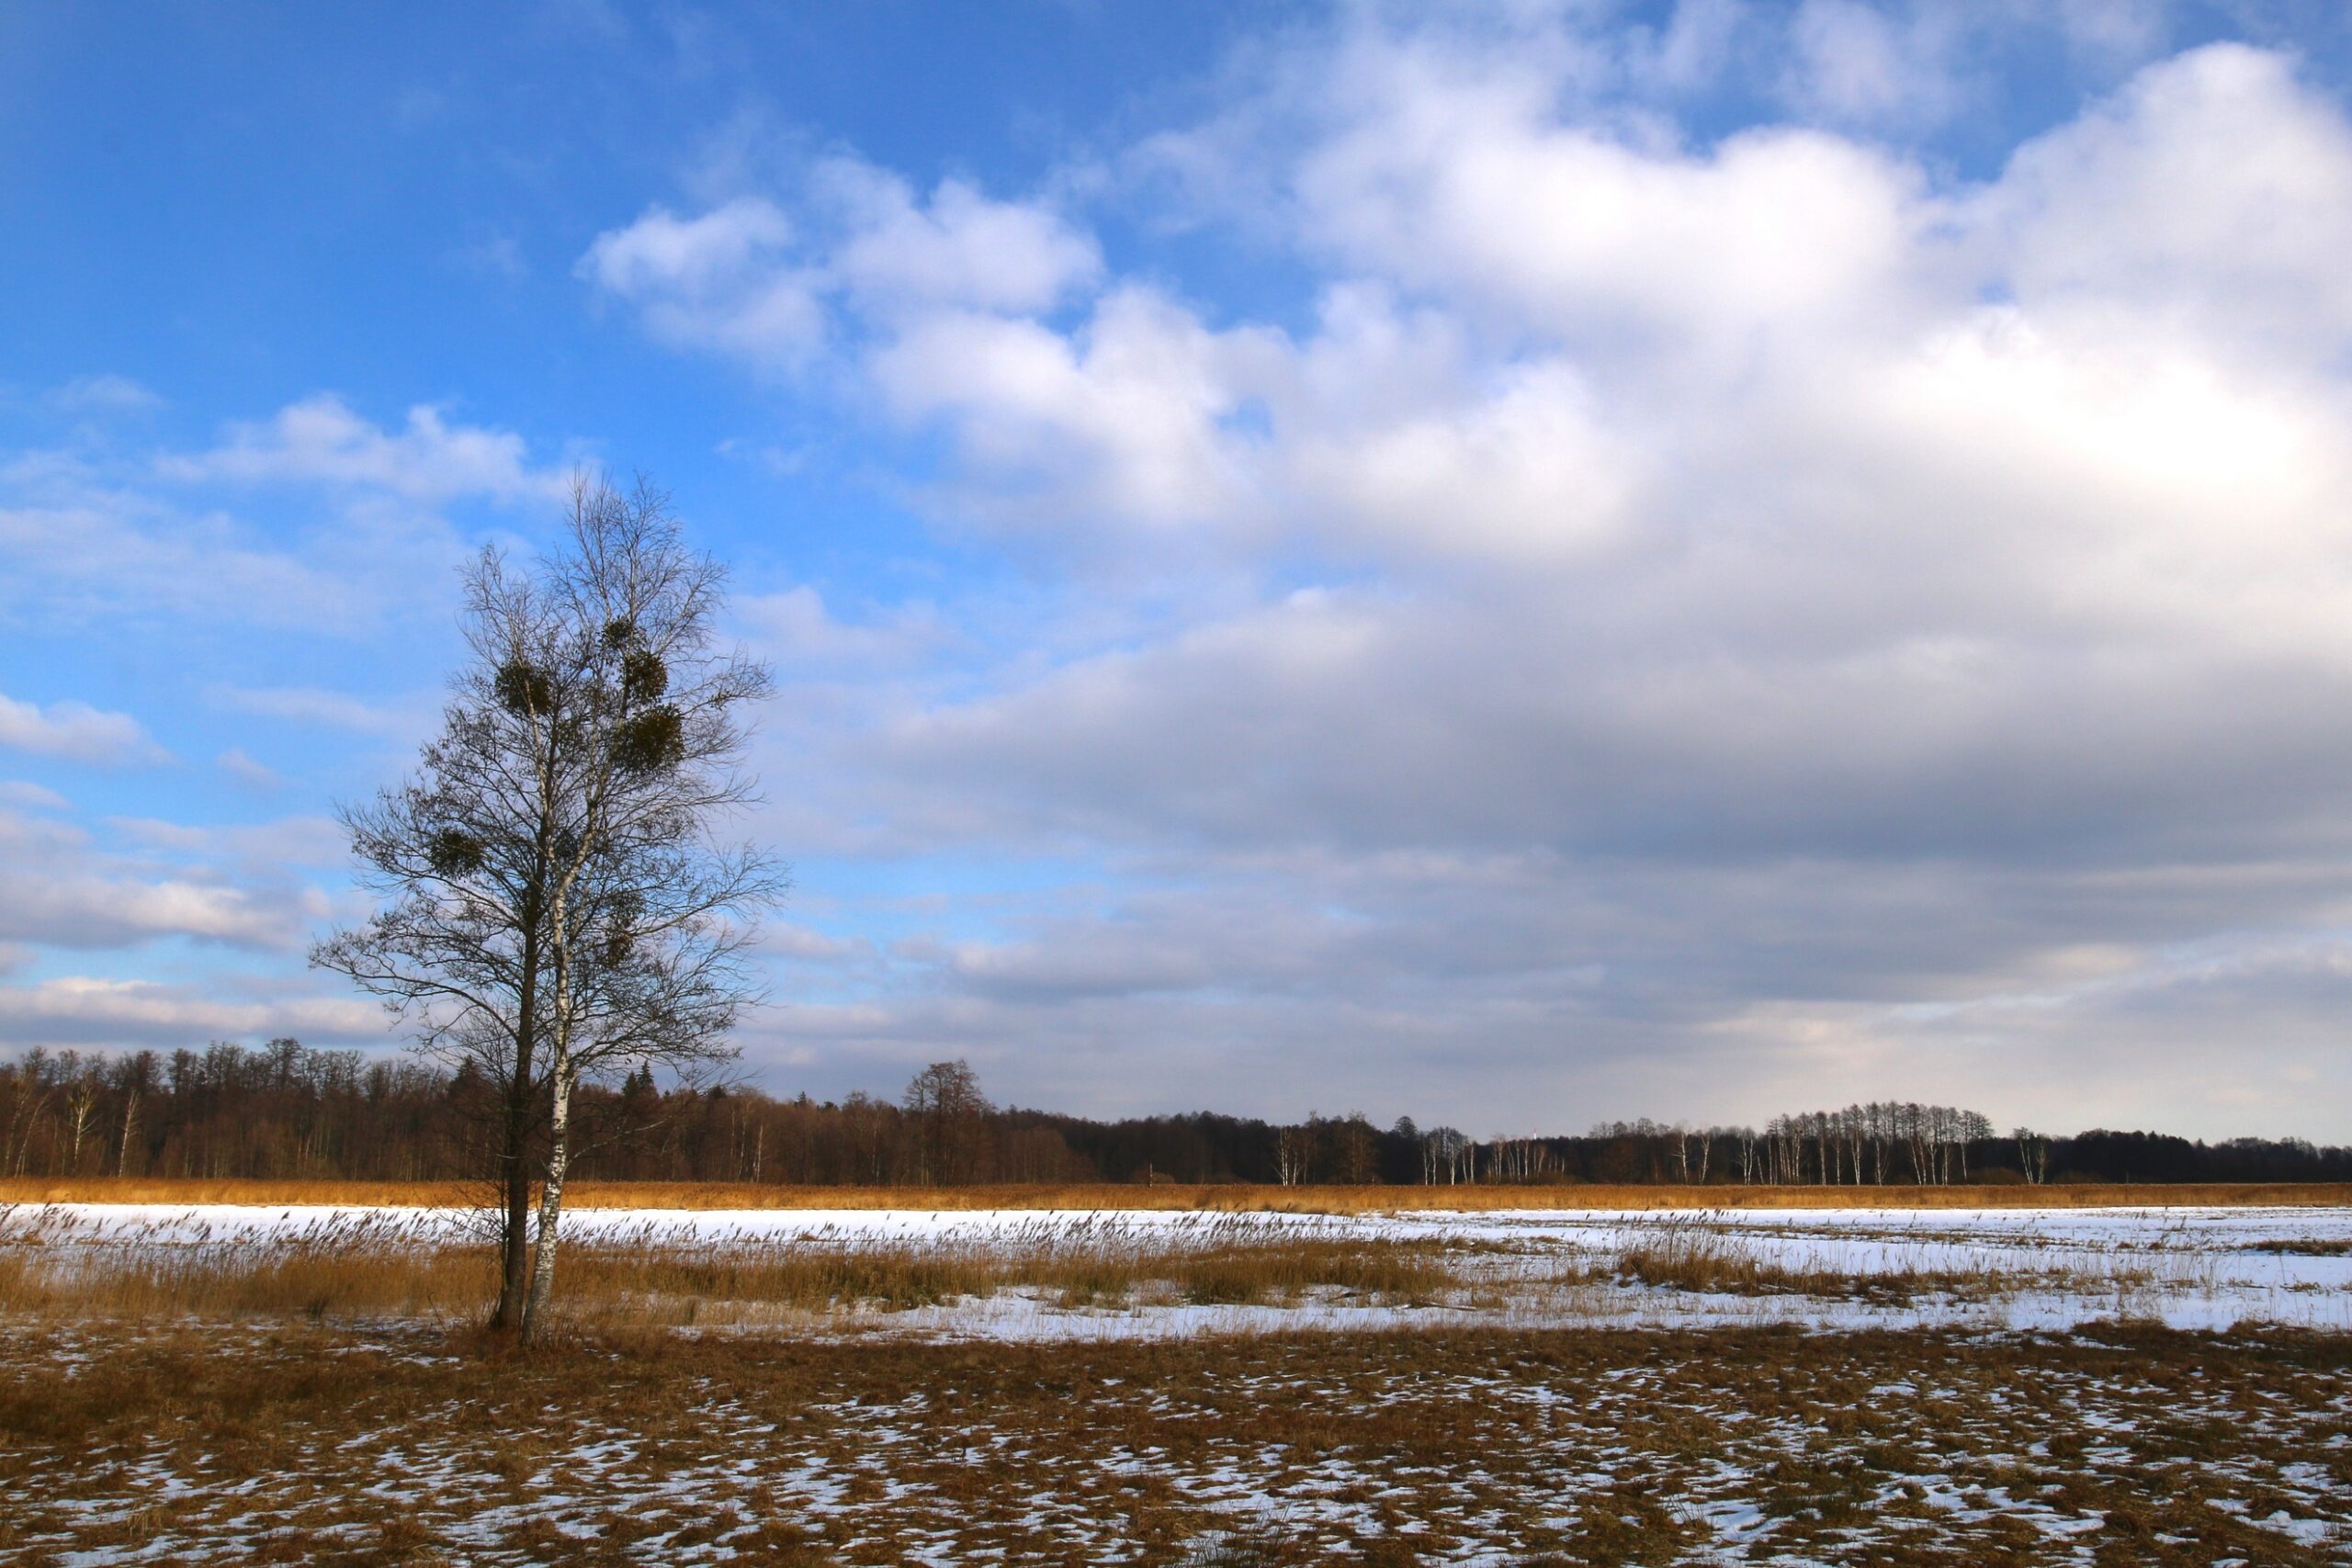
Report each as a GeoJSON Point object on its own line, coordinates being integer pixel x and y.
{"type": "Point", "coordinates": [1237, 1197]}
{"type": "Point", "coordinates": [2126, 1445]}
{"type": "Point", "coordinates": [192, 1383]}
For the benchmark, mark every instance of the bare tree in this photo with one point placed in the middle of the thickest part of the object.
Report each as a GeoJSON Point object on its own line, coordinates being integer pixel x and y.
{"type": "Point", "coordinates": [30, 1104]}
{"type": "Point", "coordinates": [948, 1112]}
{"type": "Point", "coordinates": [556, 908]}
{"type": "Point", "coordinates": [1677, 1149]}
{"type": "Point", "coordinates": [2033, 1154]}
{"type": "Point", "coordinates": [1445, 1157]}
{"type": "Point", "coordinates": [135, 1074]}
{"type": "Point", "coordinates": [1294, 1153]}
{"type": "Point", "coordinates": [1353, 1145]}
{"type": "Point", "coordinates": [81, 1105]}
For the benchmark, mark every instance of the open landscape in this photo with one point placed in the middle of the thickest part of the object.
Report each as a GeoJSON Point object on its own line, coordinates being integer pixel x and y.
{"type": "Point", "coordinates": [2121, 1443]}
{"type": "Point", "coordinates": [1172, 784]}
{"type": "Point", "coordinates": [989, 1273]}
{"type": "Point", "coordinates": [1215, 1384]}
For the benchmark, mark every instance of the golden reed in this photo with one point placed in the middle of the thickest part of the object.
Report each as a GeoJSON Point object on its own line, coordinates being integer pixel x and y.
{"type": "Point", "coordinates": [1236, 1198]}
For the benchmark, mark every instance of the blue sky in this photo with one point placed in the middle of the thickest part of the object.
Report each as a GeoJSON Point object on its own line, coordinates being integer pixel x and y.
{"type": "Point", "coordinates": [1518, 564]}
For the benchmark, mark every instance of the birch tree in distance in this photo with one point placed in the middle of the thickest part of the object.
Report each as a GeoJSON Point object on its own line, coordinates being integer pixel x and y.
{"type": "Point", "coordinates": [555, 906]}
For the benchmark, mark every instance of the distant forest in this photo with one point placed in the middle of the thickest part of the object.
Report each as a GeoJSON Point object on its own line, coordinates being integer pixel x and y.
{"type": "Point", "coordinates": [285, 1110]}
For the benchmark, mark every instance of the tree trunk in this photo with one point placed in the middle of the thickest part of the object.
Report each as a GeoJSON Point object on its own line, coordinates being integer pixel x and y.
{"type": "Point", "coordinates": [130, 1126]}
{"type": "Point", "coordinates": [535, 1304]}
{"type": "Point", "coordinates": [515, 1231]}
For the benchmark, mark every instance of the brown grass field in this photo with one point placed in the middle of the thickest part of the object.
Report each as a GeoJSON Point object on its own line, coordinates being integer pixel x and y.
{"type": "Point", "coordinates": [356, 1272]}
{"type": "Point", "coordinates": [1236, 1198]}
{"type": "Point", "coordinates": [292, 1443]}
{"type": "Point", "coordinates": [60, 1265]}
{"type": "Point", "coordinates": [321, 1393]}
{"type": "Point", "coordinates": [364, 1268]}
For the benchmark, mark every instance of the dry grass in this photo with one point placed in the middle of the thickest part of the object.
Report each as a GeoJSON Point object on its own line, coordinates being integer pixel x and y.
{"type": "Point", "coordinates": [1698, 1258]}
{"type": "Point", "coordinates": [351, 1267]}
{"type": "Point", "coordinates": [372, 1267]}
{"type": "Point", "coordinates": [1232, 1199]}
{"type": "Point", "coordinates": [2301, 1247]}
{"type": "Point", "coordinates": [2124, 1445]}
{"type": "Point", "coordinates": [63, 1265]}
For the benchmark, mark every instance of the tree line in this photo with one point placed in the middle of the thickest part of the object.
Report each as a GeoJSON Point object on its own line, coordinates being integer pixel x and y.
{"type": "Point", "coordinates": [283, 1110]}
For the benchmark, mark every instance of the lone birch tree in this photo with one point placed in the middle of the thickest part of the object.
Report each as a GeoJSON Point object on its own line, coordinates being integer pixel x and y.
{"type": "Point", "coordinates": [556, 905]}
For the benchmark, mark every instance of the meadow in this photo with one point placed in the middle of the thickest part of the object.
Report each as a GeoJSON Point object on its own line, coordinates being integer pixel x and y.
{"type": "Point", "coordinates": [405, 1445]}
{"type": "Point", "coordinates": [192, 1381]}
{"type": "Point", "coordinates": [1239, 1197]}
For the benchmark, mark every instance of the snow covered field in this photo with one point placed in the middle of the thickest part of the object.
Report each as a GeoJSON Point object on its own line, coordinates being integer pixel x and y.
{"type": "Point", "coordinates": [885, 1387]}
{"type": "Point", "coordinates": [401, 1443]}
{"type": "Point", "coordinates": [1991, 1268]}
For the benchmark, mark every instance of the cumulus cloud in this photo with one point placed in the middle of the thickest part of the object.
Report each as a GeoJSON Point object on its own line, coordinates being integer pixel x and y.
{"type": "Point", "coordinates": [799, 629]}
{"type": "Point", "coordinates": [2215, 186]}
{"type": "Point", "coordinates": [322, 440]}
{"type": "Point", "coordinates": [1123, 420]}
{"type": "Point", "coordinates": [60, 888]}
{"type": "Point", "coordinates": [957, 248]}
{"type": "Point", "coordinates": [76, 732]}
{"type": "Point", "coordinates": [1741, 614]}
{"type": "Point", "coordinates": [749, 279]}
{"type": "Point", "coordinates": [723, 280]}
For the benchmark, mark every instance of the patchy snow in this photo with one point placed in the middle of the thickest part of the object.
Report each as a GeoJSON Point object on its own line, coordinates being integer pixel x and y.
{"type": "Point", "coordinates": [1823, 1269]}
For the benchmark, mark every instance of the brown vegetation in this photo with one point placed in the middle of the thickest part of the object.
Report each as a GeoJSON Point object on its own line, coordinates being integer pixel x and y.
{"type": "Point", "coordinates": [298, 1444]}
{"type": "Point", "coordinates": [1234, 1198]}
{"type": "Point", "coordinates": [369, 1268]}
{"type": "Point", "coordinates": [1700, 1257]}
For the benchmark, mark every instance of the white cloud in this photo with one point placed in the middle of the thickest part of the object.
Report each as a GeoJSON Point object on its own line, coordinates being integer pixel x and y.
{"type": "Point", "coordinates": [749, 279]}
{"type": "Point", "coordinates": [321, 440]}
{"type": "Point", "coordinates": [661, 251]}
{"type": "Point", "coordinates": [723, 281]}
{"type": "Point", "coordinates": [93, 555]}
{"type": "Point", "coordinates": [31, 796]}
{"type": "Point", "coordinates": [230, 887]}
{"type": "Point", "coordinates": [1855, 64]}
{"type": "Point", "coordinates": [1574, 231]}
{"type": "Point", "coordinates": [1699, 613]}
{"type": "Point", "coordinates": [82, 1010]}
{"type": "Point", "coordinates": [256, 850]}
{"type": "Point", "coordinates": [245, 771]}
{"type": "Point", "coordinates": [960, 248]}
{"type": "Point", "coordinates": [796, 628]}
{"type": "Point", "coordinates": [104, 393]}
{"type": "Point", "coordinates": [405, 719]}
{"type": "Point", "coordinates": [2214, 185]}
{"type": "Point", "coordinates": [1121, 423]}
{"type": "Point", "coordinates": [76, 732]}
{"type": "Point", "coordinates": [106, 912]}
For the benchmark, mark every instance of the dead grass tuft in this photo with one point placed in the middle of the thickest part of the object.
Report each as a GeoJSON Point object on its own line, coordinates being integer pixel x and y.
{"type": "Point", "coordinates": [1696, 1257]}
{"type": "Point", "coordinates": [2301, 1247]}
